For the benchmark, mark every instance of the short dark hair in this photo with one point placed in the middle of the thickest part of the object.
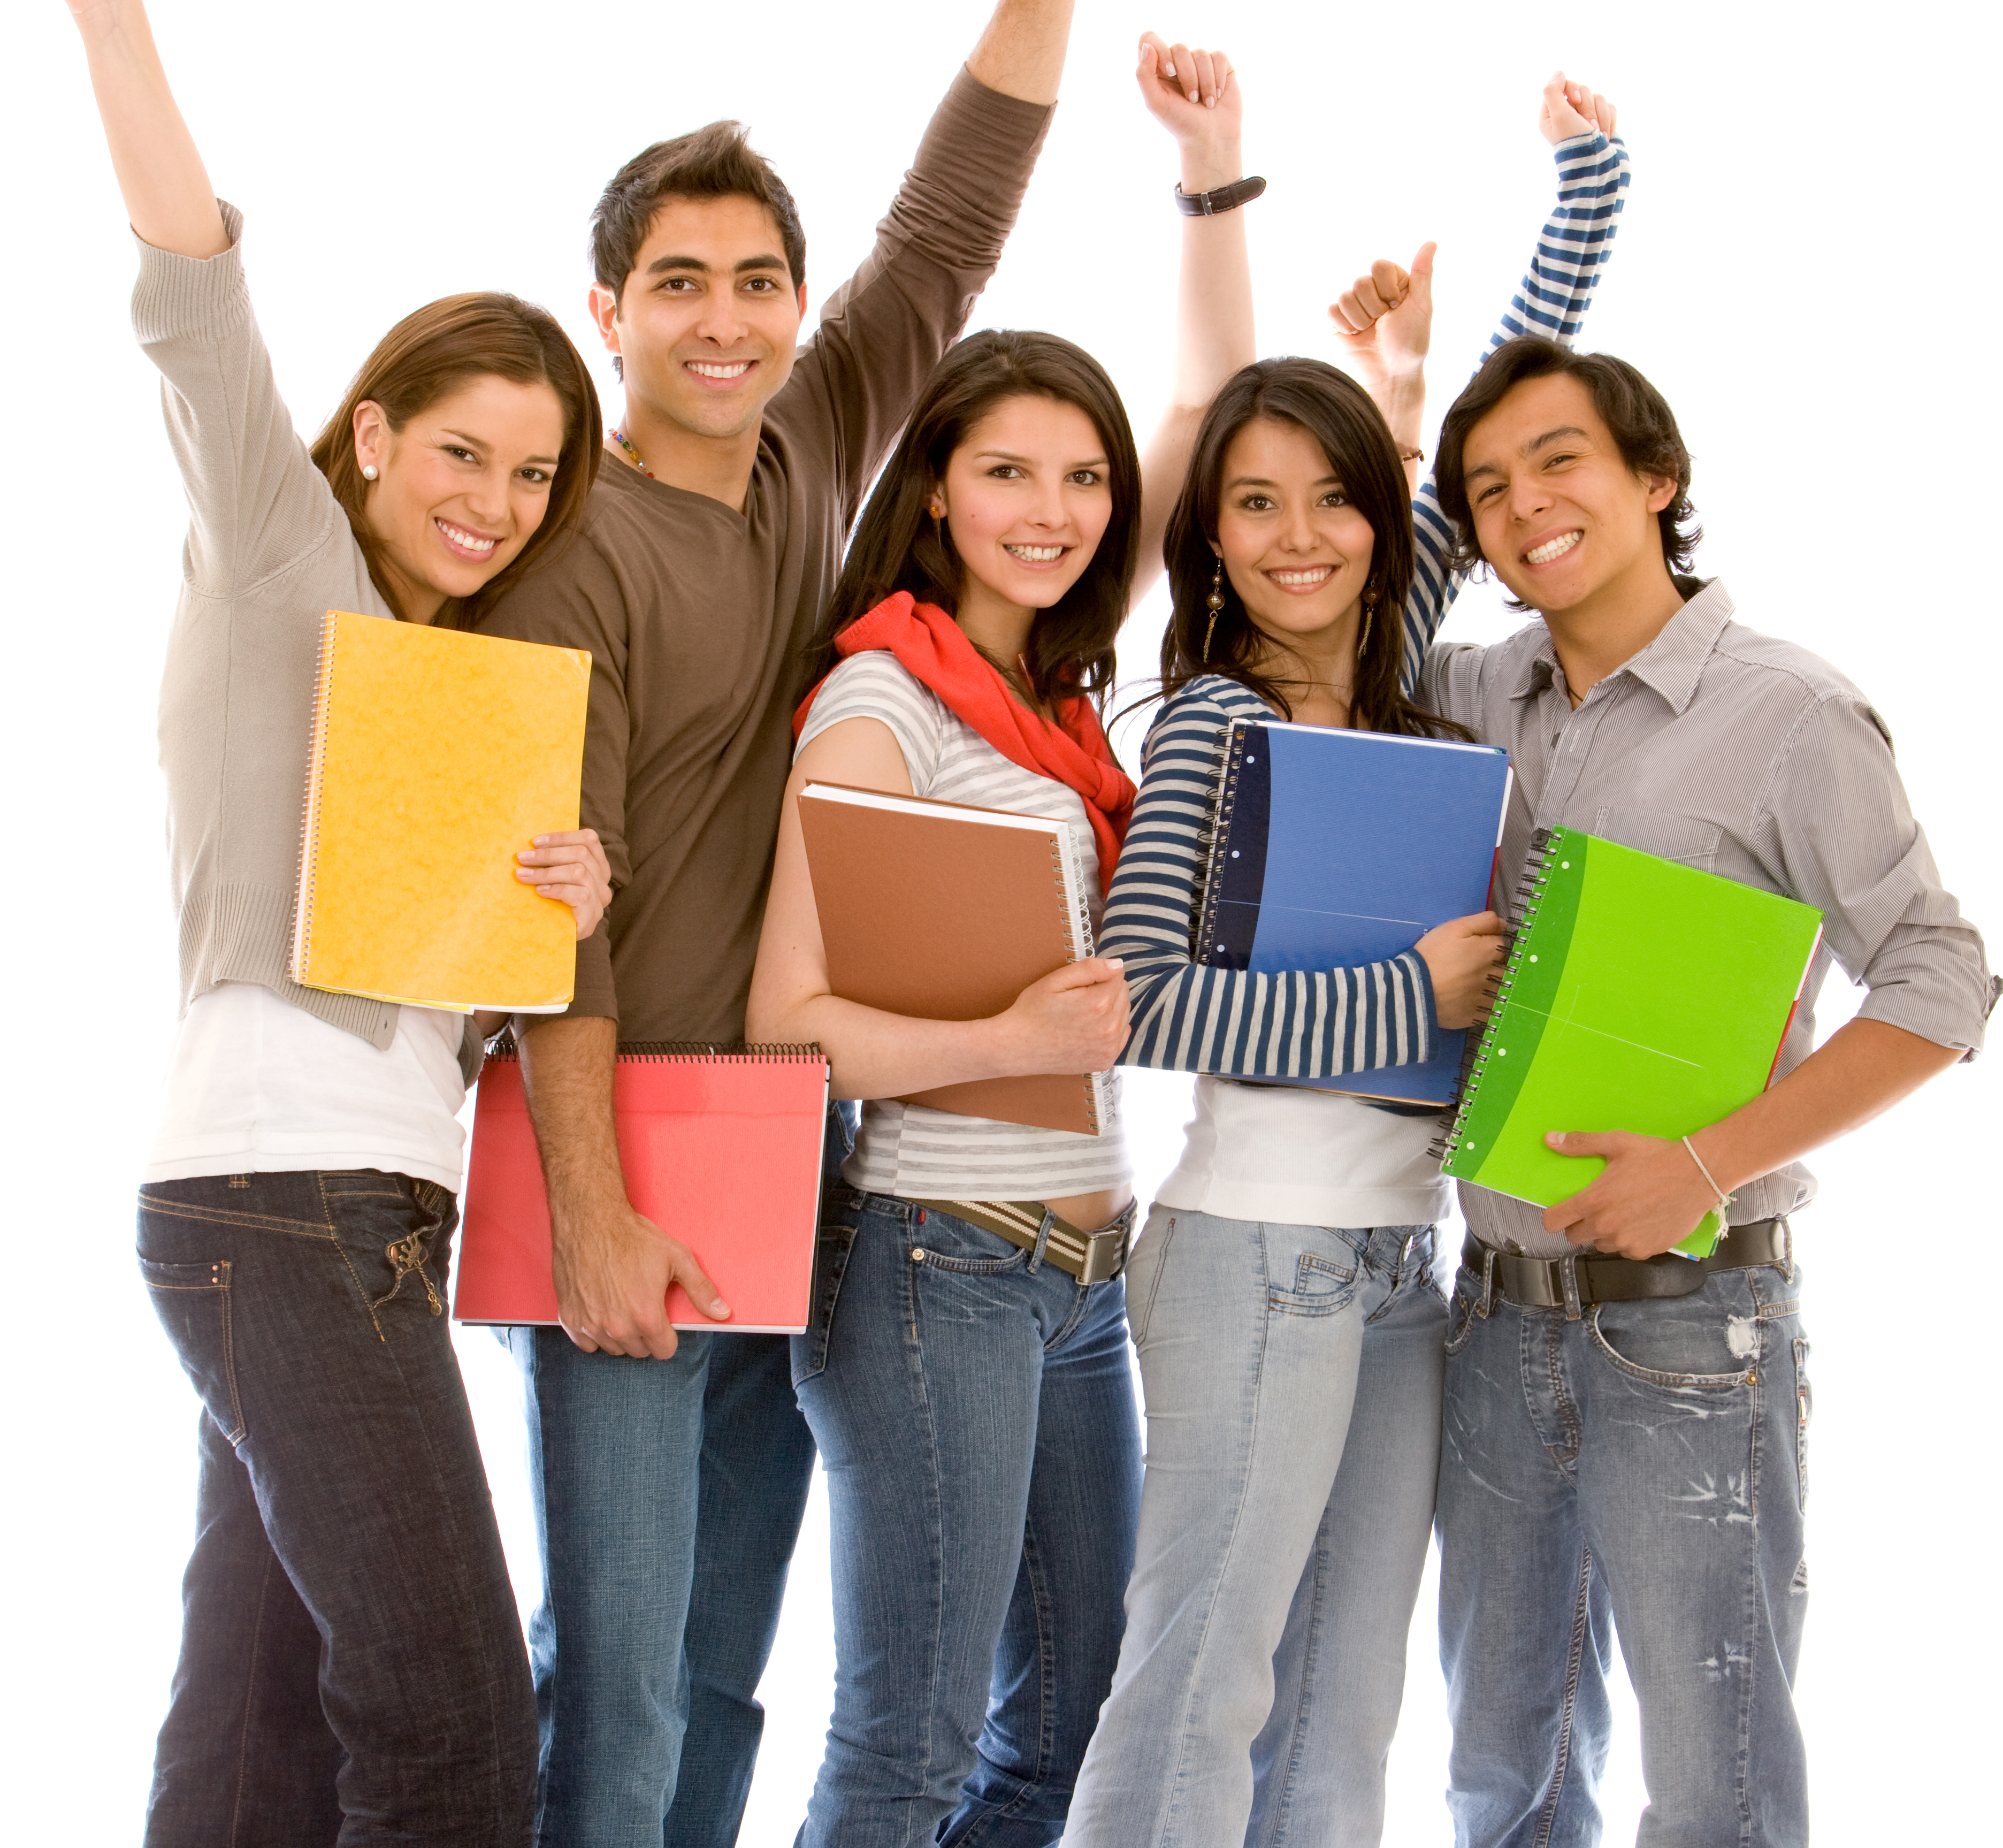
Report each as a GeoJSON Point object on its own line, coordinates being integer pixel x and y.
{"type": "Point", "coordinates": [1338, 413]}
{"type": "Point", "coordinates": [715, 162]}
{"type": "Point", "coordinates": [1636, 414]}
{"type": "Point", "coordinates": [896, 547]}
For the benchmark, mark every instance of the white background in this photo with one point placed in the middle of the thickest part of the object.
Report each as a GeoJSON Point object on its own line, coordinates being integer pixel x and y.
{"type": "Point", "coordinates": [1805, 268]}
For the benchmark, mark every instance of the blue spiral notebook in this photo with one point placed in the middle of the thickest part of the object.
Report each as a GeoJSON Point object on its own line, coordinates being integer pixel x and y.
{"type": "Point", "coordinates": [1332, 848]}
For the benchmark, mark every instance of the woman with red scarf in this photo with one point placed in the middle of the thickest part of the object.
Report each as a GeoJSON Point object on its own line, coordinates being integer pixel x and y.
{"type": "Point", "coordinates": [969, 1389]}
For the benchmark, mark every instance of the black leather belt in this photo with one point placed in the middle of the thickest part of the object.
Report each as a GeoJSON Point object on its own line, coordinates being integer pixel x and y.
{"type": "Point", "coordinates": [1542, 1282]}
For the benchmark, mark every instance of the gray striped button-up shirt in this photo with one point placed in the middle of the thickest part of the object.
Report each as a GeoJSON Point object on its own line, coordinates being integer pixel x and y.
{"type": "Point", "coordinates": [1747, 756]}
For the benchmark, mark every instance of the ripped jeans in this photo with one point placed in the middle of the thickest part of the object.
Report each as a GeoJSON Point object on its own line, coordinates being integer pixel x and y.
{"type": "Point", "coordinates": [351, 1664]}
{"type": "Point", "coordinates": [1644, 1466]}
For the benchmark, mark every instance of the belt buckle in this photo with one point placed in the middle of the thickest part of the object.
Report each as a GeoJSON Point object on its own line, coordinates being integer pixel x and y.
{"type": "Point", "coordinates": [1526, 1281]}
{"type": "Point", "coordinates": [1106, 1253]}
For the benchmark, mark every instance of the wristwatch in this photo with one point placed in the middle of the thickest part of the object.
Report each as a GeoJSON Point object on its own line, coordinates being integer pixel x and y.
{"type": "Point", "coordinates": [1221, 198]}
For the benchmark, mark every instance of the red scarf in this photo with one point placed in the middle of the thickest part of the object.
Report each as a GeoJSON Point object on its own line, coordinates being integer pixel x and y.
{"type": "Point", "coordinates": [1071, 750]}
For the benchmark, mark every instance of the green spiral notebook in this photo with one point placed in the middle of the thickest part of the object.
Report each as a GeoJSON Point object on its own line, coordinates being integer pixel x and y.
{"type": "Point", "coordinates": [1638, 995]}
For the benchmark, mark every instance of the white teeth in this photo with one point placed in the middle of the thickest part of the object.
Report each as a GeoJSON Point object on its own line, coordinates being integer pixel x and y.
{"type": "Point", "coordinates": [1555, 548]}
{"type": "Point", "coordinates": [462, 538]}
{"type": "Point", "coordinates": [736, 369]}
{"type": "Point", "coordinates": [1037, 554]}
{"type": "Point", "coordinates": [1299, 577]}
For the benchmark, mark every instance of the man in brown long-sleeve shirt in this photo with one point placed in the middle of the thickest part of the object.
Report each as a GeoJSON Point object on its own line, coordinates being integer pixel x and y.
{"type": "Point", "coordinates": [660, 1466]}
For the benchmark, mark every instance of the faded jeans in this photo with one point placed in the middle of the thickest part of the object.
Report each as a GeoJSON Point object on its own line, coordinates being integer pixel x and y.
{"type": "Point", "coordinates": [1292, 1376]}
{"type": "Point", "coordinates": [1642, 1465]}
{"type": "Point", "coordinates": [974, 1409]}
{"type": "Point", "coordinates": [351, 1667]}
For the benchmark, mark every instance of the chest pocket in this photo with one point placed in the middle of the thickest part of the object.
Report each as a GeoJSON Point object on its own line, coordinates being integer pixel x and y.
{"type": "Point", "coordinates": [1683, 838]}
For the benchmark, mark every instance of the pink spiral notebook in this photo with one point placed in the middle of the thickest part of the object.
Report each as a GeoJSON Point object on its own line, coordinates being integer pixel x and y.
{"type": "Point", "coordinates": [721, 1148]}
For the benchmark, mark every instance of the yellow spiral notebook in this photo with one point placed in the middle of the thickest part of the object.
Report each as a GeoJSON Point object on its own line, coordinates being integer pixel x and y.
{"type": "Point", "coordinates": [437, 756]}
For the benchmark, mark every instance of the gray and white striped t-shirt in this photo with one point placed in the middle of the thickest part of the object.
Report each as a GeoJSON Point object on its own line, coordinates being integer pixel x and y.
{"type": "Point", "coordinates": [904, 1149]}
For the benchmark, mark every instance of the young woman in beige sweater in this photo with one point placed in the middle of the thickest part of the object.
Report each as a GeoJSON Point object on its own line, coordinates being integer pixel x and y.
{"type": "Point", "coordinates": [351, 1662]}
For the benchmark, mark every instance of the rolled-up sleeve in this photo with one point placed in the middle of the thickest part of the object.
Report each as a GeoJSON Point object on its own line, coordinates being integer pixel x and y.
{"type": "Point", "coordinates": [1843, 834]}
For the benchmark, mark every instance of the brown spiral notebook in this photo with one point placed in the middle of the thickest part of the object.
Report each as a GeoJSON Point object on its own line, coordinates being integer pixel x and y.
{"type": "Point", "coordinates": [946, 912]}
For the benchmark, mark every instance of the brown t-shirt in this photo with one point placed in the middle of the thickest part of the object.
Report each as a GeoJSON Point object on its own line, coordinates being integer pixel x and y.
{"type": "Point", "coordinates": [696, 615]}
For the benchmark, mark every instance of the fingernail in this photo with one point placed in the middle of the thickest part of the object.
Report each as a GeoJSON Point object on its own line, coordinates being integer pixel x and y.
{"type": "Point", "coordinates": [1116, 962]}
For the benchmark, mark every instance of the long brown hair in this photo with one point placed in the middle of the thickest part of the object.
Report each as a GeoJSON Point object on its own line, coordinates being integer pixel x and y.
{"type": "Point", "coordinates": [1338, 413]}
{"type": "Point", "coordinates": [432, 353]}
{"type": "Point", "coordinates": [896, 547]}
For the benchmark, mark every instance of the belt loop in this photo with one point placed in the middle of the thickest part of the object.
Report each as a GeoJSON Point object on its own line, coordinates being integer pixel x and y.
{"type": "Point", "coordinates": [1569, 1277]}
{"type": "Point", "coordinates": [1043, 1238]}
{"type": "Point", "coordinates": [1487, 1283]}
{"type": "Point", "coordinates": [1786, 1247]}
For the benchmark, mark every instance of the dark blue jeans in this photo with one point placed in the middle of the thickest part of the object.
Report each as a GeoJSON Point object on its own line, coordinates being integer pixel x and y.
{"type": "Point", "coordinates": [351, 1668]}
{"type": "Point", "coordinates": [974, 1409]}
{"type": "Point", "coordinates": [668, 1497]}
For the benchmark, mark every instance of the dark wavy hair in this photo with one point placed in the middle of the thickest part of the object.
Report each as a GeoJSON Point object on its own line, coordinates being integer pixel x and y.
{"type": "Point", "coordinates": [1338, 413]}
{"type": "Point", "coordinates": [441, 348]}
{"type": "Point", "coordinates": [897, 547]}
{"type": "Point", "coordinates": [1636, 414]}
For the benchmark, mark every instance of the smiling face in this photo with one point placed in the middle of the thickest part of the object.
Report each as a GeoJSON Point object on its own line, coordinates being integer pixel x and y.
{"type": "Point", "coordinates": [1026, 497]}
{"type": "Point", "coordinates": [1296, 550]}
{"type": "Point", "coordinates": [1561, 519]}
{"type": "Point", "coordinates": [706, 323]}
{"type": "Point", "coordinates": [461, 489]}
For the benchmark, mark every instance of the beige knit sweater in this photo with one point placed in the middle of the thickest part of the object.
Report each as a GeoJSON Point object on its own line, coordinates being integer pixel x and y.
{"type": "Point", "coordinates": [269, 552]}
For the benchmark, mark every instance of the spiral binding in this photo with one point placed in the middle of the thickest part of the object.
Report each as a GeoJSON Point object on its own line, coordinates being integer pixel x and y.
{"type": "Point", "coordinates": [1544, 845]}
{"type": "Point", "coordinates": [310, 813]}
{"type": "Point", "coordinates": [1078, 929]}
{"type": "Point", "coordinates": [687, 1051]}
{"type": "Point", "coordinates": [1228, 760]}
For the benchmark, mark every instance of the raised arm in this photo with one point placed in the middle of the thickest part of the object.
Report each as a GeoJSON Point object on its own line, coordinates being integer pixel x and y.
{"type": "Point", "coordinates": [1383, 322]}
{"type": "Point", "coordinates": [168, 197]}
{"type": "Point", "coordinates": [1022, 52]}
{"type": "Point", "coordinates": [1195, 95]}
{"type": "Point", "coordinates": [882, 332]}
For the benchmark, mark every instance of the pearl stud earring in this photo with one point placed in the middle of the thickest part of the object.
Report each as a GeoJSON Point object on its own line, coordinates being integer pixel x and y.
{"type": "Point", "coordinates": [368, 472]}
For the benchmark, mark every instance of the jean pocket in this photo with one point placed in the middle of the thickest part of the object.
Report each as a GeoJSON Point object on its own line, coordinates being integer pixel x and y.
{"type": "Point", "coordinates": [944, 1241]}
{"type": "Point", "coordinates": [1144, 1272]}
{"type": "Point", "coordinates": [1462, 1311]}
{"type": "Point", "coordinates": [1324, 1279]}
{"type": "Point", "coordinates": [193, 1303]}
{"type": "Point", "coordinates": [1682, 1344]}
{"type": "Point", "coordinates": [1804, 1413]}
{"type": "Point", "coordinates": [833, 1245]}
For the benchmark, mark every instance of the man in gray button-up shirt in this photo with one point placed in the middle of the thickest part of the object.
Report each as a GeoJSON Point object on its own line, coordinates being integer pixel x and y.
{"type": "Point", "coordinates": [1627, 1453]}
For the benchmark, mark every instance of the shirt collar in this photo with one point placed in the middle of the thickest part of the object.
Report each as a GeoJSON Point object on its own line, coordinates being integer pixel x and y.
{"type": "Point", "coordinates": [1672, 664]}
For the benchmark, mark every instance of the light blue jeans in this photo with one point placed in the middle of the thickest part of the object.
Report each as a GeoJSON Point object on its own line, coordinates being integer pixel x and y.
{"type": "Point", "coordinates": [1642, 1464]}
{"type": "Point", "coordinates": [1292, 1377]}
{"type": "Point", "coordinates": [974, 1411]}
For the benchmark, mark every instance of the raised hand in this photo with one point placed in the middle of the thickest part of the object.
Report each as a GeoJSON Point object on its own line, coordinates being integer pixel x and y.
{"type": "Point", "coordinates": [1384, 320]}
{"type": "Point", "coordinates": [1570, 109]}
{"type": "Point", "coordinates": [1195, 95]}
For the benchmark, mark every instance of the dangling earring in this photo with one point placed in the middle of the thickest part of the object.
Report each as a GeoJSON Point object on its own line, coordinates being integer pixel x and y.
{"type": "Point", "coordinates": [368, 472]}
{"type": "Point", "coordinates": [937, 510]}
{"type": "Point", "coordinates": [1215, 599]}
{"type": "Point", "coordinates": [1369, 611]}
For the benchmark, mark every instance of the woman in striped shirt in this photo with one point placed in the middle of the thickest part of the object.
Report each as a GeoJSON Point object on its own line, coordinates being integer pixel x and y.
{"type": "Point", "coordinates": [1289, 1327]}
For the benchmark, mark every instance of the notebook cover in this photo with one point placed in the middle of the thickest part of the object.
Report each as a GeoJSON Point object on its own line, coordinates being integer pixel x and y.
{"type": "Point", "coordinates": [723, 1151]}
{"type": "Point", "coordinates": [1336, 848]}
{"type": "Point", "coordinates": [928, 910]}
{"type": "Point", "coordinates": [1640, 995]}
{"type": "Point", "coordinates": [436, 757]}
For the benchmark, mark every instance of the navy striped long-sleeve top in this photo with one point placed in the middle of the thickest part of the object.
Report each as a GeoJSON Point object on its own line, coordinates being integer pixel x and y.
{"type": "Point", "coordinates": [1316, 1023]}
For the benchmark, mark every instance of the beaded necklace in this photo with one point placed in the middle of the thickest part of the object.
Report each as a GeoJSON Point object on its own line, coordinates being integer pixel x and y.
{"type": "Point", "coordinates": [632, 454]}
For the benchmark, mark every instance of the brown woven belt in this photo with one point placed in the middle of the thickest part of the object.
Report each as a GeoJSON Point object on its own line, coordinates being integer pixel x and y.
{"type": "Point", "coordinates": [1091, 1257]}
{"type": "Point", "coordinates": [1542, 1282]}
